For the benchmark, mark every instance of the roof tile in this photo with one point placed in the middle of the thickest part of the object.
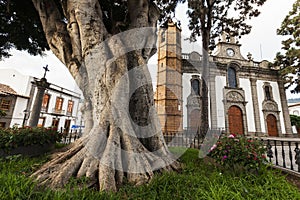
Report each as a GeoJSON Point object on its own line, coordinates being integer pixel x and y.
{"type": "Point", "coordinates": [5, 89]}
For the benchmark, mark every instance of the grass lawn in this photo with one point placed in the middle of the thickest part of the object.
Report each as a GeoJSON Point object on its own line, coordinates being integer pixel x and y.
{"type": "Point", "coordinates": [197, 180]}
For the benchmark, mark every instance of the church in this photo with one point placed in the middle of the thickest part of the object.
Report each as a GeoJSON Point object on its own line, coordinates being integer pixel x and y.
{"type": "Point", "coordinates": [245, 96]}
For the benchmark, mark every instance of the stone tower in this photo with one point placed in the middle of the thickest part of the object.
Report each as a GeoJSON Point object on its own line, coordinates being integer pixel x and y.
{"type": "Point", "coordinates": [168, 97]}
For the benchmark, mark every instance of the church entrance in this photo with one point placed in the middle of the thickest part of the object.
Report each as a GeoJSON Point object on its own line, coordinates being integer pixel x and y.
{"type": "Point", "coordinates": [235, 119]}
{"type": "Point", "coordinates": [272, 125]}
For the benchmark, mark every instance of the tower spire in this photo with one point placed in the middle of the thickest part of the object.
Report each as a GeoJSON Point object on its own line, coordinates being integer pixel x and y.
{"type": "Point", "coordinates": [168, 97]}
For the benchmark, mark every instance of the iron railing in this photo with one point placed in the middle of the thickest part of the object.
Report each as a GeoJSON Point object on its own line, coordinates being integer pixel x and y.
{"type": "Point", "coordinates": [69, 136]}
{"type": "Point", "coordinates": [284, 153]}
{"type": "Point", "coordinates": [58, 111]}
{"type": "Point", "coordinates": [189, 138]}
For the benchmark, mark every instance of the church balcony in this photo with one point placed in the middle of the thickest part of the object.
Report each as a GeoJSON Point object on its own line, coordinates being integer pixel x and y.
{"type": "Point", "coordinates": [69, 114]}
{"type": "Point", "coordinates": [58, 112]}
{"type": "Point", "coordinates": [44, 109]}
{"type": "Point", "coordinates": [185, 56]}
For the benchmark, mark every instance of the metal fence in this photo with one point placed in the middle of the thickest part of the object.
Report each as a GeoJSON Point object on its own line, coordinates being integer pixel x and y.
{"type": "Point", "coordinates": [189, 138]}
{"type": "Point", "coordinates": [69, 136]}
{"type": "Point", "coordinates": [284, 153]}
{"type": "Point", "coordinates": [186, 138]}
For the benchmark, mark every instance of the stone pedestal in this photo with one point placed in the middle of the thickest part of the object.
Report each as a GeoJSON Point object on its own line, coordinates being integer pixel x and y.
{"type": "Point", "coordinates": [37, 106]}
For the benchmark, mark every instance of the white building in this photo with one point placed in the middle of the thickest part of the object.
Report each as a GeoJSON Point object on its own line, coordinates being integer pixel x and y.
{"type": "Point", "coordinates": [60, 106]}
{"type": "Point", "coordinates": [245, 97]}
{"type": "Point", "coordinates": [294, 109]}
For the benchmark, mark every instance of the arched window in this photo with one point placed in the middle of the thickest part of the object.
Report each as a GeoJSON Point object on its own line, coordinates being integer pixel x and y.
{"type": "Point", "coordinates": [232, 82]}
{"type": "Point", "coordinates": [195, 86]}
{"type": "Point", "coordinates": [268, 93]}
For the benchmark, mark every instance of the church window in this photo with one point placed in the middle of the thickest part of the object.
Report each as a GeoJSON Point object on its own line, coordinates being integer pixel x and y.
{"type": "Point", "coordinates": [195, 86]}
{"type": "Point", "coordinates": [163, 36]}
{"type": "Point", "coordinates": [70, 107]}
{"type": "Point", "coordinates": [178, 38]}
{"type": "Point", "coordinates": [267, 93]}
{"type": "Point", "coordinates": [5, 104]}
{"type": "Point", "coordinates": [59, 104]}
{"type": "Point", "coordinates": [232, 82]}
{"type": "Point", "coordinates": [45, 102]}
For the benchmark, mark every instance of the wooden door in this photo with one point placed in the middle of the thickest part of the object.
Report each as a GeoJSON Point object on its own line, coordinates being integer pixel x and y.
{"type": "Point", "coordinates": [67, 125]}
{"type": "Point", "coordinates": [55, 122]}
{"type": "Point", "coordinates": [235, 118]}
{"type": "Point", "coordinates": [272, 125]}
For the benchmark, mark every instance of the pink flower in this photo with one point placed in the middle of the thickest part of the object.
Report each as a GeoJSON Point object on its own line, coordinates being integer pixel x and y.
{"type": "Point", "coordinates": [213, 147]}
{"type": "Point", "coordinates": [231, 136]}
{"type": "Point", "coordinates": [224, 157]}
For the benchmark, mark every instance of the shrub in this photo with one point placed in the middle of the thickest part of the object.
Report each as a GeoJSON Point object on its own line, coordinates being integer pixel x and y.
{"type": "Point", "coordinates": [14, 137]}
{"type": "Point", "coordinates": [239, 152]}
{"type": "Point", "coordinates": [2, 113]}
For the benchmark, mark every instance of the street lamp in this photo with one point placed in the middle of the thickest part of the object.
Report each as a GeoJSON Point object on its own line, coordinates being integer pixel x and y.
{"type": "Point", "coordinates": [26, 116]}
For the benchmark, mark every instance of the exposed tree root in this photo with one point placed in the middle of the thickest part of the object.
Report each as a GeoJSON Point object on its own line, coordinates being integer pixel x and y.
{"type": "Point", "coordinates": [123, 158]}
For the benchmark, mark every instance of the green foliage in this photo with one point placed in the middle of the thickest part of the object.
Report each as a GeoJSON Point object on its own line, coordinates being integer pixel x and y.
{"type": "Point", "coordinates": [295, 120]}
{"type": "Point", "coordinates": [2, 113]}
{"type": "Point", "coordinates": [14, 137]}
{"type": "Point", "coordinates": [289, 59]}
{"type": "Point", "coordinates": [20, 25]}
{"type": "Point", "coordinates": [20, 28]}
{"type": "Point", "coordinates": [209, 18]}
{"type": "Point", "coordinates": [197, 180]}
{"type": "Point", "coordinates": [238, 152]}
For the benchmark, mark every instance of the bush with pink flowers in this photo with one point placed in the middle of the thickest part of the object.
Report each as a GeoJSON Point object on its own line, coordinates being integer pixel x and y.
{"type": "Point", "coordinates": [238, 151]}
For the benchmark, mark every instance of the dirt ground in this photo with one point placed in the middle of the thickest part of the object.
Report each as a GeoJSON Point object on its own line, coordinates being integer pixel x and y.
{"type": "Point", "coordinates": [294, 180]}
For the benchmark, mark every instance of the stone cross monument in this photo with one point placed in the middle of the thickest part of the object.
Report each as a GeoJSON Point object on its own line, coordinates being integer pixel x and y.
{"type": "Point", "coordinates": [37, 106]}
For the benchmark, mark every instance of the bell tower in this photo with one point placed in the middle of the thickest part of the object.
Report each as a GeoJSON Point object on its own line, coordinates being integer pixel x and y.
{"type": "Point", "coordinates": [168, 96]}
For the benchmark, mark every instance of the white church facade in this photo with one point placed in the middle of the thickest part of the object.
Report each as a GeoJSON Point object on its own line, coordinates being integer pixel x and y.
{"type": "Point", "coordinates": [245, 97]}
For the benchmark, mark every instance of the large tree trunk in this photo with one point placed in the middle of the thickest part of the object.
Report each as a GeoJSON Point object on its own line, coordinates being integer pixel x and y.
{"type": "Point", "coordinates": [205, 33]}
{"type": "Point", "coordinates": [122, 138]}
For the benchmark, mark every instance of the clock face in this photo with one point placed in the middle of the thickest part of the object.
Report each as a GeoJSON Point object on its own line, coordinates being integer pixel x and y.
{"type": "Point", "coordinates": [230, 52]}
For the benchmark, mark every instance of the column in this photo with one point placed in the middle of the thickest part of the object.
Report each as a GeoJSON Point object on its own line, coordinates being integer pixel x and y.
{"type": "Point", "coordinates": [36, 109]}
{"type": "Point", "coordinates": [213, 102]}
{"type": "Point", "coordinates": [255, 107]}
{"type": "Point", "coordinates": [285, 109]}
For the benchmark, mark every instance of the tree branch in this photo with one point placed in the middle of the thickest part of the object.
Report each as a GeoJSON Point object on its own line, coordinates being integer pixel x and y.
{"type": "Point", "coordinates": [86, 19]}
{"type": "Point", "coordinates": [138, 13]}
{"type": "Point", "coordinates": [144, 14]}
{"type": "Point", "coordinates": [55, 29]}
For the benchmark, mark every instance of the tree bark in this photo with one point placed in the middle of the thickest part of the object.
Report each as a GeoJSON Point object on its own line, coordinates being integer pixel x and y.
{"type": "Point", "coordinates": [122, 139]}
{"type": "Point", "coordinates": [205, 81]}
{"type": "Point", "coordinates": [206, 23]}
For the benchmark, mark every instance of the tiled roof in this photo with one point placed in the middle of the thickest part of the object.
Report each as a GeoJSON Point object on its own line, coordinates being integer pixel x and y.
{"type": "Point", "coordinates": [5, 90]}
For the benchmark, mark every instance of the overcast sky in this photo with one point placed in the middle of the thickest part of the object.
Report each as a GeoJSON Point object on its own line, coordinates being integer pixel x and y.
{"type": "Point", "coordinates": [262, 43]}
